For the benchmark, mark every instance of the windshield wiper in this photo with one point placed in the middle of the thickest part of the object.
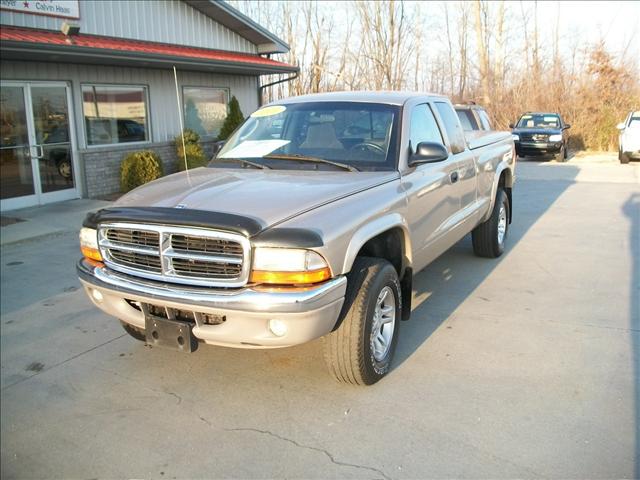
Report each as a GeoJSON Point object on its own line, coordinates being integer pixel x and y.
{"type": "Point", "coordinates": [243, 161]}
{"type": "Point", "coordinates": [304, 158]}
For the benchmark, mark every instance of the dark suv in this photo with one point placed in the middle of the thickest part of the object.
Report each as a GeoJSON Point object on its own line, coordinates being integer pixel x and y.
{"type": "Point", "coordinates": [539, 133]}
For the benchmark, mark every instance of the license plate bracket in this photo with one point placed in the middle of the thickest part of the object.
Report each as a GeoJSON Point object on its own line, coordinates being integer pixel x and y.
{"type": "Point", "coordinates": [167, 333]}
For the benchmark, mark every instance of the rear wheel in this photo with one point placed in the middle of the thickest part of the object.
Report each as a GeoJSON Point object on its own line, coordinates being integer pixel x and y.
{"type": "Point", "coordinates": [489, 237]}
{"type": "Point", "coordinates": [360, 350]}
{"type": "Point", "coordinates": [623, 157]}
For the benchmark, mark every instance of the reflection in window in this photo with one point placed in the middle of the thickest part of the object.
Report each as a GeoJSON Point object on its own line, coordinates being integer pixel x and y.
{"type": "Point", "coordinates": [204, 109]}
{"type": "Point", "coordinates": [115, 114]}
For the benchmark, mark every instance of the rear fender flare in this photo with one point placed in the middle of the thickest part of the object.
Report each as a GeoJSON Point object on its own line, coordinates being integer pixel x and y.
{"type": "Point", "coordinates": [502, 167]}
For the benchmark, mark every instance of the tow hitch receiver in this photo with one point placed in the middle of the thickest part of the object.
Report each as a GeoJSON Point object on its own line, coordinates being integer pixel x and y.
{"type": "Point", "coordinates": [174, 334]}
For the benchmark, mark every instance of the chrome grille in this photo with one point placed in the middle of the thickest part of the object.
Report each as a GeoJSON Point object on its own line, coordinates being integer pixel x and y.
{"type": "Point", "coordinates": [149, 263]}
{"type": "Point", "coordinates": [194, 256]}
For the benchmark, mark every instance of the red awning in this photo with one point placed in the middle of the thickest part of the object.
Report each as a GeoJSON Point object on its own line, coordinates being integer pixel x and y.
{"type": "Point", "coordinates": [57, 42]}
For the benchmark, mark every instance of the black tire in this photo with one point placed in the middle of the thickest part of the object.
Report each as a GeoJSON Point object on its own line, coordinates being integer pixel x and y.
{"type": "Point", "coordinates": [624, 159]}
{"type": "Point", "coordinates": [133, 331]}
{"type": "Point", "coordinates": [64, 168]}
{"type": "Point", "coordinates": [561, 155]}
{"type": "Point", "coordinates": [485, 236]}
{"type": "Point", "coordinates": [566, 153]}
{"type": "Point", "coordinates": [348, 349]}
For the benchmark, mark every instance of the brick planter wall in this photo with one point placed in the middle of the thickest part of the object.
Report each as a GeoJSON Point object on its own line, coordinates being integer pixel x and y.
{"type": "Point", "coordinates": [102, 164]}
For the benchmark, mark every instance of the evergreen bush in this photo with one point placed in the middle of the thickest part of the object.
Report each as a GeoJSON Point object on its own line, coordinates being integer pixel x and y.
{"type": "Point", "coordinates": [138, 168]}
{"type": "Point", "coordinates": [234, 119]}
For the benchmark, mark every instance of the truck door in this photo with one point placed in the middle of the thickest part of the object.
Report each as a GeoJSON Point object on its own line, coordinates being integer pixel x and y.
{"type": "Point", "coordinates": [433, 199]}
{"type": "Point", "coordinates": [465, 161]}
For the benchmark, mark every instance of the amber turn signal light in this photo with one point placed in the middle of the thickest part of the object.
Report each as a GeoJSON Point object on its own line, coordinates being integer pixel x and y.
{"type": "Point", "coordinates": [290, 278]}
{"type": "Point", "coordinates": [91, 253]}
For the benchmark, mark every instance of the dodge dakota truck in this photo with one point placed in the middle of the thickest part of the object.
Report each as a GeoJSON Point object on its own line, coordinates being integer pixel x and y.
{"type": "Point", "coordinates": [310, 222]}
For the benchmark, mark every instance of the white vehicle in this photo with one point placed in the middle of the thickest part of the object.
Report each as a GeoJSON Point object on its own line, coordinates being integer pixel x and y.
{"type": "Point", "coordinates": [629, 139]}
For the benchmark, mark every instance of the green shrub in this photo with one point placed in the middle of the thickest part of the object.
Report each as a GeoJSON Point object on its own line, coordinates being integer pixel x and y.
{"type": "Point", "coordinates": [193, 149]}
{"type": "Point", "coordinates": [138, 168]}
{"type": "Point", "coordinates": [189, 137]}
{"type": "Point", "coordinates": [195, 156]}
{"type": "Point", "coordinates": [234, 119]}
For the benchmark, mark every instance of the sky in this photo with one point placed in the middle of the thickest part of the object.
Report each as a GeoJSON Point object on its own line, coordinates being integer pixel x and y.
{"type": "Point", "coordinates": [617, 22]}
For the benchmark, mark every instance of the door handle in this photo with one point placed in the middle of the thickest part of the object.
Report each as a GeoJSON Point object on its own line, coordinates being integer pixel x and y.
{"type": "Point", "coordinates": [454, 177]}
{"type": "Point", "coordinates": [36, 151]}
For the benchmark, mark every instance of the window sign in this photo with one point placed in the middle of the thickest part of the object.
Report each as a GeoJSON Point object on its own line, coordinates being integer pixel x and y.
{"type": "Point", "coordinates": [115, 114]}
{"type": "Point", "coordinates": [204, 109]}
{"type": "Point", "coordinates": [53, 8]}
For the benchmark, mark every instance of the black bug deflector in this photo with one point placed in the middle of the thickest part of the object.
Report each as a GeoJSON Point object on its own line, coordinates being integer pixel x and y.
{"type": "Point", "coordinates": [175, 216]}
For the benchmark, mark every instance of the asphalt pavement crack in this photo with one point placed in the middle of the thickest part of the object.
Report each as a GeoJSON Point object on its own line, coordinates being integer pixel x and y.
{"type": "Point", "coordinates": [63, 362]}
{"type": "Point", "coordinates": [307, 447]}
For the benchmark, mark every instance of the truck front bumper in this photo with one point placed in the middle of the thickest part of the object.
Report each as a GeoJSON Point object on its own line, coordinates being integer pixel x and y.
{"type": "Point", "coordinates": [534, 149]}
{"type": "Point", "coordinates": [245, 314]}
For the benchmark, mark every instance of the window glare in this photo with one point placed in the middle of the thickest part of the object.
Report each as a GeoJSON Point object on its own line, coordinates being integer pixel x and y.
{"type": "Point", "coordinates": [115, 114]}
{"type": "Point", "coordinates": [205, 109]}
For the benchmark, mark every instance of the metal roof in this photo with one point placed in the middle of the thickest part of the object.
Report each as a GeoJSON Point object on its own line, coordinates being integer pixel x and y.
{"type": "Point", "coordinates": [235, 20]}
{"type": "Point", "coordinates": [29, 43]}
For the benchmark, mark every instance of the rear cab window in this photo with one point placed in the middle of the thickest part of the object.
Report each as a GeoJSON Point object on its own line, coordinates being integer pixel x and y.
{"type": "Point", "coordinates": [484, 119]}
{"type": "Point", "coordinates": [467, 120]}
{"type": "Point", "coordinates": [451, 123]}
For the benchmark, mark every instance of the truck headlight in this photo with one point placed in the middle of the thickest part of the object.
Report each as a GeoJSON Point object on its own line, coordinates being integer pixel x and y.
{"type": "Point", "coordinates": [516, 137]}
{"type": "Point", "coordinates": [288, 266]}
{"type": "Point", "coordinates": [555, 138]}
{"type": "Point", "coordinates": [89, 244]}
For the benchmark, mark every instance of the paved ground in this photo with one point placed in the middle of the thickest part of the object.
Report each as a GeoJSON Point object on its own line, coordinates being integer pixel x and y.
{"type": "Point", "coordinates": [523, 367]}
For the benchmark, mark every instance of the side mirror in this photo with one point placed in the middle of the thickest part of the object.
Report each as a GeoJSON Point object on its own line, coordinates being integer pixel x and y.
{"type": "Point", "coordinates": [566, 126]}
{"type": "Point", "coordinates": [511, 125]}
{"type": "Point", "coordinates": [620, 126]}
{"type": "Point", "coordinates": [217, 146]}
{"type": "Point", "coordinates": [428, 152]}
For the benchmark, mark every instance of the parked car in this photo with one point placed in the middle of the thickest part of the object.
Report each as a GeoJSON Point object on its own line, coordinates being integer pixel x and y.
{"type": "Point", "coordinates": [316, 232]}
{"type": "Point", "coordinates": [537, 133]}
{"type": "Point", "coordinates": [629, 138]}
{"type": "Point", "coordinates": [473, 117]}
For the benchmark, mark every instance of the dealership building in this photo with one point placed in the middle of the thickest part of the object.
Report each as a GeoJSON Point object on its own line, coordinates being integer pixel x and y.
{"type": "Point", "coordinates": [85, 82]}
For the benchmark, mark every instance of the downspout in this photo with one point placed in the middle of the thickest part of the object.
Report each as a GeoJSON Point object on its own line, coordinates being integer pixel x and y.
{"type": "Point", "coordinates": [282, 80]}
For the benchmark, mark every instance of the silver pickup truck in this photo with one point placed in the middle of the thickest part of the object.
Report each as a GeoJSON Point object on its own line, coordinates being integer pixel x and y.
{"type": "Point", "coordinates": [310, 222]}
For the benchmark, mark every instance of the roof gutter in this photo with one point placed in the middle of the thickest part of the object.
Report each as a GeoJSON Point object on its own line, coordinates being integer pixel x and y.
{"type": "Point", "coordinates": [282, 80]}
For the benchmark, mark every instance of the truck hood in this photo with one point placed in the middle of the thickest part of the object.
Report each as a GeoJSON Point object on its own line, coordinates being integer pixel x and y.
{"type": "Point", "coordinates": [268, 196]}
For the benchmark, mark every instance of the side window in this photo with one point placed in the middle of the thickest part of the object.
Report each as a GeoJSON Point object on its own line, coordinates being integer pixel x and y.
{"type": "Point", "coordinates": [452, 126]}
{"type": "Point", "coordinates": [424, 127]}
{"type": "Point", "coordinates": [484, 119]}
{"type": "Point", "coordinates": [467, 120]}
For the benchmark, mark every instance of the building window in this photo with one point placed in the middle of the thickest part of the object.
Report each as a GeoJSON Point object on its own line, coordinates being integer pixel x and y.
{"type": "Point", "coordinates": [205, 109]}
{"type": "Point", "coordinates": [115, 114]}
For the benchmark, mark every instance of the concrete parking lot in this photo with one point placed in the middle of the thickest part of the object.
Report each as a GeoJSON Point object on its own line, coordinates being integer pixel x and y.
{"type": "Point", "coordinates": [525, 367]}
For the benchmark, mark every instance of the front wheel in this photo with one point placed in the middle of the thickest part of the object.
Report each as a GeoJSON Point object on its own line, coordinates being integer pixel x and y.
{"type": "Point", "coordinates": [489, 237]}
{"type": "Point", "coordinates": [561, 155]}
{"type": "Point", "coordinates": [360, 350]}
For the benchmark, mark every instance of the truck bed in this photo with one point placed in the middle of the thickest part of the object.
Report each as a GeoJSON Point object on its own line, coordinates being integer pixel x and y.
{"type": "Point", "coordinates": [480, 138]}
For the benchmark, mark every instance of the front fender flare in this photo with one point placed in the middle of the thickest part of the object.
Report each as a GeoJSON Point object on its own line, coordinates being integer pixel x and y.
{"type": "Point", "coordinates": [373, 228]}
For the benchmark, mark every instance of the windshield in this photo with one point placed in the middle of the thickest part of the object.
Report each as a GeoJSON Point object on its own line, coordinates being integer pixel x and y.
{"type": "Point", "coordinates": [634, 121]}
{"type": "Point", "coordinates": [539, 120]}
{"type": "Point", "coordinates": [360, 135]}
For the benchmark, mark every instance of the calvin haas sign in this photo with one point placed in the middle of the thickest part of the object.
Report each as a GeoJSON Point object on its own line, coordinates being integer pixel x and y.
{"type": "Point", "coordinates": [53, 8]}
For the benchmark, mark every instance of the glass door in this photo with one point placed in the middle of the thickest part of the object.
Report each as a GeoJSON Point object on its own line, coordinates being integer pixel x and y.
{"type": "Point", "coordinates": [16, 172]}
{"type": "Point", "coordinates": [37, 144]}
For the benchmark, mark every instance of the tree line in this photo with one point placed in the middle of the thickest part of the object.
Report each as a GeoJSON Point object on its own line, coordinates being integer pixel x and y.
{"type": "Point", "coordinates": [499, 54]}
